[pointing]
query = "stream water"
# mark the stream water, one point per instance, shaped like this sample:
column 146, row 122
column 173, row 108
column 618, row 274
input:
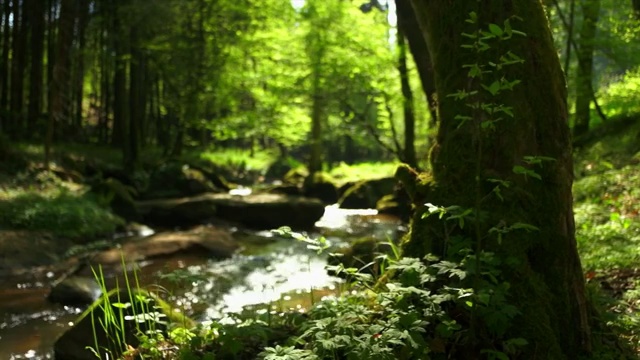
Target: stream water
column 269, row 272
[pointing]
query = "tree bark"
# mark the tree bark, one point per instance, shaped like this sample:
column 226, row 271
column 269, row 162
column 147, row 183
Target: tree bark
column 136, row 99
column 18, row 55
column 546, row 279
column 409, row 150
column 83, row 22
column 59, row 95
column 408, row 25
column 4, row 65
column 584, row 76
column 37, row 66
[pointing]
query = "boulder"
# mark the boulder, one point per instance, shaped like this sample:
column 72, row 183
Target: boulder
column 205, row 240
column 295, row 176
column 141, row 310
column 366, row 193
column 257, row 211
column 119, row 196
column 321, row 186
column 397, row 204
column 285, row 189
column 75, row 291
column 175, row 179
column 280, row 167
column 269, row 211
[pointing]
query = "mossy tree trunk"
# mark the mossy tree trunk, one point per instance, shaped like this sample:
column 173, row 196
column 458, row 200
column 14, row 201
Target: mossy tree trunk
column 546, row 279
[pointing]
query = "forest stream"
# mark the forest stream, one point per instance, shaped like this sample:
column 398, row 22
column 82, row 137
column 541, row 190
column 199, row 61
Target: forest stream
column 267, row 272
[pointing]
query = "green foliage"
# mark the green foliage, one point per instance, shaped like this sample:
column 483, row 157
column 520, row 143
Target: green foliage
column 366, row 170
column 619, row 98
column 606, row 218
column 64, row 214
column 240, row 160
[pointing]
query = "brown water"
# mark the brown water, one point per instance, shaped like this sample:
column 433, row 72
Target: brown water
column 279, row 272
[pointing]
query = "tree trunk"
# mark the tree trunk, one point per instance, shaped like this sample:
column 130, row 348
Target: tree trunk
column 136, row 104
column 409, row 150
column 120, row 90
column 51, row 48
column 4, row 66
column 317, row 118
column 408, row 25
column 59, row 94
column 545, row 276
column 83, row 21
column 37, row 66
column 18, row 55
column 590, row 12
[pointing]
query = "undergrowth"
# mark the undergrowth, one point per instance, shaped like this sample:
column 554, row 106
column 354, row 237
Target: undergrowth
column 62, row 213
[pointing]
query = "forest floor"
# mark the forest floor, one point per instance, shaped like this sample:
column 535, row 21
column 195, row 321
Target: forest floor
column 606, row 206
column 607, row 213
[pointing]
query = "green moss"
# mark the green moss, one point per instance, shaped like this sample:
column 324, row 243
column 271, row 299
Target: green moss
column 62, row 214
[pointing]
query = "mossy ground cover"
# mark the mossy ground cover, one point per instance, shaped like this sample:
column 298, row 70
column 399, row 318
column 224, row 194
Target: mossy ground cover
column 607, row 214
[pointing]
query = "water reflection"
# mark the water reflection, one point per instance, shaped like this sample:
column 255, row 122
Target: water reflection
column 281, row 273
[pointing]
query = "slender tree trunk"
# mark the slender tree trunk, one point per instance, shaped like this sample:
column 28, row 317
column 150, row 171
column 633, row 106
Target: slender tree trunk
column 317, row 118
column 584, row 77
column 4, row 66
column 37, row 66
column 59, row 95
column 635, row 4
column 120, row 90
column 83, row 21
column 135, row 98
column 105, row 74
column 409, row 150
column 544, row 272
column 16, row 100
column 572, row 17
column 408, row 25
column 52, row 31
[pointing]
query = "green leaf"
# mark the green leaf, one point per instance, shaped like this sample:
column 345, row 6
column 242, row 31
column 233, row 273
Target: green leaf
column 523, row 226
column 496, row 30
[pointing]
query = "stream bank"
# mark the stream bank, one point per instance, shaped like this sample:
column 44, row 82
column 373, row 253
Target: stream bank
column 268, row 270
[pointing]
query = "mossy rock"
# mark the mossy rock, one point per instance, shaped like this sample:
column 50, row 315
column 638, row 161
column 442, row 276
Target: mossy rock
column 286, row 190
column 75, row 291
column 296, row 176
column 366, row 193
column 362, row 254
column 77, row 343
column 280, row 167
column 120, row 197
column 176, row 179
column 321, row 186
column 395, row 204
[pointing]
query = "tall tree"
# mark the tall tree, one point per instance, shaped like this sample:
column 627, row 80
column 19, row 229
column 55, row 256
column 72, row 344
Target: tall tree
column 409, row 150
column 320, row 15
column 584, row 75
column 37, row 65
column 530, row 152
column 20, row 28
column 4, row 65
column 408, row 25
column 59, row 97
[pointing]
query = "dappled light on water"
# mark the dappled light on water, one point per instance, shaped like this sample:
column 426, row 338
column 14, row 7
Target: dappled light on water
column 334, row 217
column 270, row 274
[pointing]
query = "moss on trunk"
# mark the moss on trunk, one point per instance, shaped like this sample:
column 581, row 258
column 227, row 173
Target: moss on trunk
column 547, row 283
